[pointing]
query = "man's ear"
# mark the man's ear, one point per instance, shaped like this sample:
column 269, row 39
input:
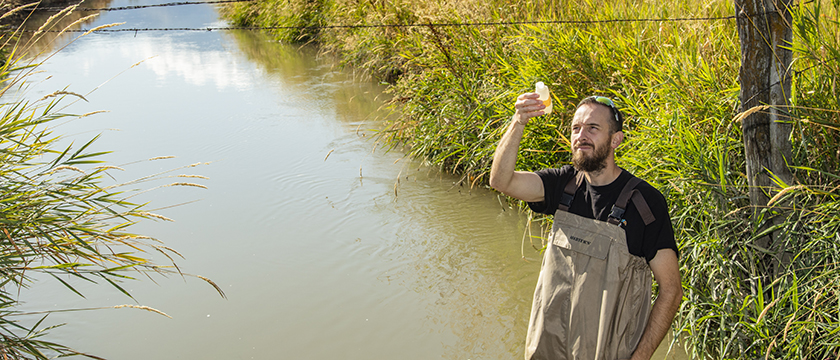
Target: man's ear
column 617, row 138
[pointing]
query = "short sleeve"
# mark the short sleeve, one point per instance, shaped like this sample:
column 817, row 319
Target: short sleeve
column 659, row 234
column 554, row 180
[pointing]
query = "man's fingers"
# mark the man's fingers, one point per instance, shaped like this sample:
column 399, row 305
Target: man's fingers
column 525, row 117
column 527, row 96
column 527, row 106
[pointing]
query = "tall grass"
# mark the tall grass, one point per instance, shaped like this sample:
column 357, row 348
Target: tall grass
column 455, row 87
column 59, row 215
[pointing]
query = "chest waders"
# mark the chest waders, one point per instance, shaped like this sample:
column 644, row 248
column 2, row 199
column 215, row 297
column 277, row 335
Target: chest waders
column 593, row 297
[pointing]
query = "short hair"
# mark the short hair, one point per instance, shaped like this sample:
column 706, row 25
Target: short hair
column 615, row 126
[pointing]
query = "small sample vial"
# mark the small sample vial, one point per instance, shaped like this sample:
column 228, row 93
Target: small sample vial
column 544, row 96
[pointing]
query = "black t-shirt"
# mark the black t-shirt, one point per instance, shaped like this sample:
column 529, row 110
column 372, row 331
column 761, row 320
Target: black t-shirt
column 595, row 202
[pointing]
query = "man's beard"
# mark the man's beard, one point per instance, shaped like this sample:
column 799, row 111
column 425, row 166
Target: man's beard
column 593, row 163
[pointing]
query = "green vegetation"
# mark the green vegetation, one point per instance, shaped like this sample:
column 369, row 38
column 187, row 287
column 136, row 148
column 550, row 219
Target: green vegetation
column 58, row 218
column 455, row 86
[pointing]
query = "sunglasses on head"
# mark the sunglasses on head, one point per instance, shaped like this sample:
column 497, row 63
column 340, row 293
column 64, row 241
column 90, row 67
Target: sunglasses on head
column 609, row 103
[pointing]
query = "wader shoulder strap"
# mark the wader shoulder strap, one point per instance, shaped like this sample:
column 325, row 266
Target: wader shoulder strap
column 569, row 192
column 617, row 212
column 628, row 192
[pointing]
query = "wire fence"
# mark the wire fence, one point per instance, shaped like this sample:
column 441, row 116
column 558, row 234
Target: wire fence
column 136, row 7
column 354, row 26
column 413, row 25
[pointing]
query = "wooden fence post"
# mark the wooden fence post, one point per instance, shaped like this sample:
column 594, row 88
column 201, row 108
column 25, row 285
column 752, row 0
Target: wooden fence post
column 764, row 28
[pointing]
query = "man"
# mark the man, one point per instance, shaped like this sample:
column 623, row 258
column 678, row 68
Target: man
column 611, row 230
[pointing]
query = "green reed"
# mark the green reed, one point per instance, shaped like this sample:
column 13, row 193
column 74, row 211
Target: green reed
column 677, row 82
column 60, row 214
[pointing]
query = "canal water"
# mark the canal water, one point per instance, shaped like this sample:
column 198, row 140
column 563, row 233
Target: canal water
column 326, row 245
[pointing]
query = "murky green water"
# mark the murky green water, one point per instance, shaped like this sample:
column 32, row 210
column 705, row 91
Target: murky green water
column 325, row 246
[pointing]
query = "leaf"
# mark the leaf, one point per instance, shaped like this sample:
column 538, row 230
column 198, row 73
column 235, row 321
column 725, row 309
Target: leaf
column 66, row 284
column 118, row 287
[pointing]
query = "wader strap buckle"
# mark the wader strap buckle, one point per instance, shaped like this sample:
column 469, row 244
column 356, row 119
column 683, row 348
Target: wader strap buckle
column 566, row 201
column 569, row 192
column 628, row 192
column 617, row 212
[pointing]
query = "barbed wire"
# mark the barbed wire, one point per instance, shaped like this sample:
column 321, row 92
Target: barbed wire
column 135, row 7
column 413, row 25
column 435, row 25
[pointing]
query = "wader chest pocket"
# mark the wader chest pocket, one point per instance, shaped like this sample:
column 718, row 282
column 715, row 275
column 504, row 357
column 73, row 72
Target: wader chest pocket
column 584, row 238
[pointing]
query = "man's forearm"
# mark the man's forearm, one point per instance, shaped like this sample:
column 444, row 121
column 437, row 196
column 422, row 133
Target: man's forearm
column 524, row 185
column 504, row 159
column 661, row 316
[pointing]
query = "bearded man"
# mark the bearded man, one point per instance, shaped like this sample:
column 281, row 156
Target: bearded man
column 611, row 230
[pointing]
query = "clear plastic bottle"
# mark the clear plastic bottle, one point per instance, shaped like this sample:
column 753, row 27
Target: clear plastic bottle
column 544, row 96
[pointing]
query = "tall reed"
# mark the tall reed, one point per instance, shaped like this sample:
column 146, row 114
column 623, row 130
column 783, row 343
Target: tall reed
column 59, row 216
column 677, row 81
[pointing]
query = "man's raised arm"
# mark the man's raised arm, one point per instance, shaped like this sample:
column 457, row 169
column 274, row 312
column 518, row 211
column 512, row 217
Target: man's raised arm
column 522, row 185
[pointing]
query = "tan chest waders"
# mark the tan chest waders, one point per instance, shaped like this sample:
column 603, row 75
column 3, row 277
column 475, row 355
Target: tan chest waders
column 593, row 297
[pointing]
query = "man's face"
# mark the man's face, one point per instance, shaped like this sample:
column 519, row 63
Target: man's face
column 591, row 137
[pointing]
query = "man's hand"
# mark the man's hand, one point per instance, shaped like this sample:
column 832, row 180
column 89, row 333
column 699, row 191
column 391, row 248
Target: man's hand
column 528, row 106
column 522, row 185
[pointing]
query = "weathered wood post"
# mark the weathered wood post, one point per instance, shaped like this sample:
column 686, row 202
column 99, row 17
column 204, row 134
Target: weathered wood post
column 764, row 27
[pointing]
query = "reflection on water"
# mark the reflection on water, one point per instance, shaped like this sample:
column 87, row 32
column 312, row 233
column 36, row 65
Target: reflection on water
column 51, row 39
column 326, row 246
column 316, row 79
column 454, row 248
column 171, row 59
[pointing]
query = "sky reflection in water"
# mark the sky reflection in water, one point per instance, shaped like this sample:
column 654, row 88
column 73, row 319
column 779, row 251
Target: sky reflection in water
column 318, row 256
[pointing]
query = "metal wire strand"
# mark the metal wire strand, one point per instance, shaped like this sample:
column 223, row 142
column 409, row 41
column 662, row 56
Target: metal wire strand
column 434, row 25
column 135, row 7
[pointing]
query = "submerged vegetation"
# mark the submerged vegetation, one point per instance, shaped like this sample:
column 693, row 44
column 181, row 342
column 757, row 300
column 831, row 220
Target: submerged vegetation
column 677, row 81
column 59, row 216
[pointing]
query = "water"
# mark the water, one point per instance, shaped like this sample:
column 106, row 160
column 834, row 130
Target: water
column 326, row 246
